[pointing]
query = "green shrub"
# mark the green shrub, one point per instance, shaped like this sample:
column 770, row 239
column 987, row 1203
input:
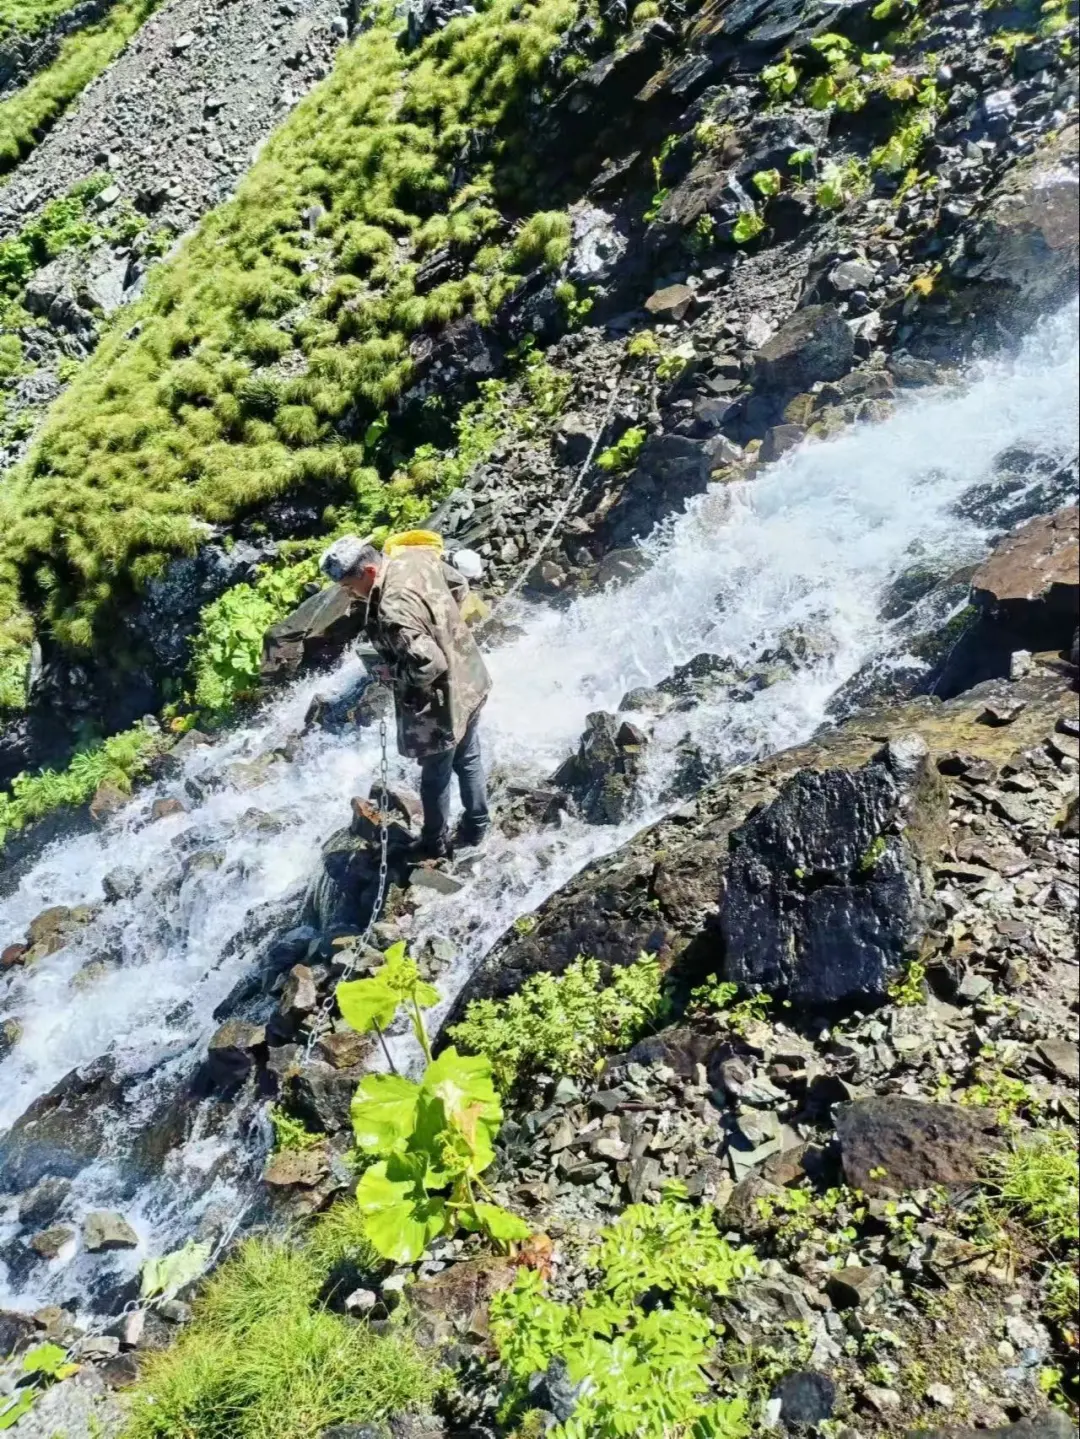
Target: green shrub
column 544, row 239
column 563, row 1025
column 28, row 17
column 119, row 760
column 262, row 1358
column 622, row 454
column 641, row 1371
column 227, row 649
column 1039, row 1181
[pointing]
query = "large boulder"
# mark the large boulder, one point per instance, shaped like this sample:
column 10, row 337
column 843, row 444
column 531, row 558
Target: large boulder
column 889, row 1143
column 813, row 344
column 1032, row 579
column 827, row 892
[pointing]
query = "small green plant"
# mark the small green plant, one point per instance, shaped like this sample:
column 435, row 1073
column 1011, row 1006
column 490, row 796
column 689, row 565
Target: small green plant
column 840, row 184
column 642, row 344
column 703, row 235
column 748, row 227
column 1038, row 1179
column 800, row 159
column 563, row 1025
column 716, row 996
column 576, row 307
column 781, row 79
column 543, row 239
column 673, row 362
column 622, row 454
column 431, row 1140
column 910, row 988
column 640, row 1372
column 119, row 760
column 290, row 1132
column 45, row 1364
column 263, row 1355
column 768, row 182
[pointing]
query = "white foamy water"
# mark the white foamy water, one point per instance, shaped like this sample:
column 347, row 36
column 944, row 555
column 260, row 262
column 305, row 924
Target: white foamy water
column 816, row 538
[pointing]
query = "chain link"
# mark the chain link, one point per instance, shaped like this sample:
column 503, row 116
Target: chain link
column 321, row 1019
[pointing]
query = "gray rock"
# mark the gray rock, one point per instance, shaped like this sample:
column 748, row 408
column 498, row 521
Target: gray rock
column 674, row 302
column 855, row 1285
column 49, row 1242
column 119, row 883
column 105, row 1229
column 41, row 1204
column 1061, row 1057
column 852, row 275
column 1051, row 1424
column 813, row 344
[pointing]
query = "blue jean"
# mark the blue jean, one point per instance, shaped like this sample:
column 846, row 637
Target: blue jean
column 436, row 772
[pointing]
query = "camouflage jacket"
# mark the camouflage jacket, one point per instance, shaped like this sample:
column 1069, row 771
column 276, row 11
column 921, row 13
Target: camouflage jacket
column 414, row 622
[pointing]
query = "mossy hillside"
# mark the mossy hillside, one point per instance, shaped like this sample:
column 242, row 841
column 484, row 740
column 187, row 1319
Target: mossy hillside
column 29, row 17
column 30, row 112
column 289, row 313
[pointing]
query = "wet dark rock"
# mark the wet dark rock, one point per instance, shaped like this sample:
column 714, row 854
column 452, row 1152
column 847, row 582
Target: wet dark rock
column 814, row 344
column 805, row 1397
column 670, row 470
column 574, row 439
column 63, row 1130
column 232, row 1051
column 603, row 774
column 16, row 1331
column 889, row 1143
column 120, row 883
column 164, row 808
column 826, row 894
column 320, row 1094
column 40, row 1205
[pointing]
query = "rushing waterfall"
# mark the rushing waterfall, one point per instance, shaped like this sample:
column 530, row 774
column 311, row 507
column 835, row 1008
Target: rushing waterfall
column 817, row 537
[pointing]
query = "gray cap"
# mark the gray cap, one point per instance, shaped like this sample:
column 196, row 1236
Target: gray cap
column 346, row 556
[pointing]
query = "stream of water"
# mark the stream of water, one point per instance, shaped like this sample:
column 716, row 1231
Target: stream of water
column 815, row 538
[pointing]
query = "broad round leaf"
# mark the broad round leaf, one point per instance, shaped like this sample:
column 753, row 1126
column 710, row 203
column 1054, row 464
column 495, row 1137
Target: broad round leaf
column 365, row 1003
column 383, row 1112
column 400, row 1218
column 500, row 1224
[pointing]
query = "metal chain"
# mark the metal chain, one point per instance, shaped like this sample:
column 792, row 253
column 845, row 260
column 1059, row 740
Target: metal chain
column 561, row 513
column 321, row 1018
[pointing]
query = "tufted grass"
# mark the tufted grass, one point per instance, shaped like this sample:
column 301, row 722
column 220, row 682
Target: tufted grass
column 284, row 321
column 263, row 1358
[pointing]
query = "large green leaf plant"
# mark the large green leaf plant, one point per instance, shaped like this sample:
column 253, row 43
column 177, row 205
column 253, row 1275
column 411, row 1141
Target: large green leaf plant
column 430, row 1140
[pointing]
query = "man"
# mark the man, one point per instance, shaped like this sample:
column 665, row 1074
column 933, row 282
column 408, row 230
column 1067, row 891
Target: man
column 439, row 679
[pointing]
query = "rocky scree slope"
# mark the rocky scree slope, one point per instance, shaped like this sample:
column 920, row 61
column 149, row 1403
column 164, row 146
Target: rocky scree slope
column 906, row 218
